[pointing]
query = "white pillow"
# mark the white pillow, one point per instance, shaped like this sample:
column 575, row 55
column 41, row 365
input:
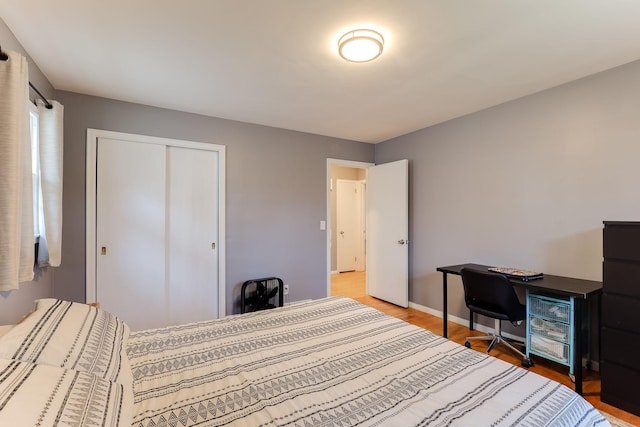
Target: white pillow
column 72, row 336
column 42, row 395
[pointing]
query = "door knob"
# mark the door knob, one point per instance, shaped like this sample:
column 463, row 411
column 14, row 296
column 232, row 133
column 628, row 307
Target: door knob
column 402, row 242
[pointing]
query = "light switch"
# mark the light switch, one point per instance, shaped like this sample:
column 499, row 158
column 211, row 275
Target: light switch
column 323, row 225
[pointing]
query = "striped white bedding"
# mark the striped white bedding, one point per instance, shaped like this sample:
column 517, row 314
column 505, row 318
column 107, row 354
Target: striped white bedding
column 65, row 365
column 334, row 362
column 34, row 395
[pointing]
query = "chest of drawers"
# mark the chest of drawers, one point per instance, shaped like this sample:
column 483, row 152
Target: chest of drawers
column 620, row 319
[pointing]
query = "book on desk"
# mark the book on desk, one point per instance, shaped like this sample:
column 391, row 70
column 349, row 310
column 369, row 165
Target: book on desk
column 517, row 273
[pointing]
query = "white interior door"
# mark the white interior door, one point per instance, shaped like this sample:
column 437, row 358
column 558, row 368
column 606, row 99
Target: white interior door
column 130, row 231
column 347, row 236
column 192, row 243
column 388, row 232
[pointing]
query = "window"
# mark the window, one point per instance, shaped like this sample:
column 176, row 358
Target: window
column 35, row 170
column 45, row 136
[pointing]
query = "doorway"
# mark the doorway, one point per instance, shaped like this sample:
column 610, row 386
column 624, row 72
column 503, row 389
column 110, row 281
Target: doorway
column 387, row 224
column 345, row 176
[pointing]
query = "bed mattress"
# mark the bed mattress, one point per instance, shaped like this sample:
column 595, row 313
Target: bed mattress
column 334, row 362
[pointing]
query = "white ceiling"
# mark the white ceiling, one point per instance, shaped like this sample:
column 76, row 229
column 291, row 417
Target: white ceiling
column 274, row 62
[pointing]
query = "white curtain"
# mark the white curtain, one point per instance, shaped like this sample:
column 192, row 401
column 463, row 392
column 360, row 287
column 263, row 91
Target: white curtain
column 16, row 201
column 50, row 146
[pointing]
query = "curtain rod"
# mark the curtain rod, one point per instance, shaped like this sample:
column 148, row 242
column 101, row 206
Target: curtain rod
column 5, row 57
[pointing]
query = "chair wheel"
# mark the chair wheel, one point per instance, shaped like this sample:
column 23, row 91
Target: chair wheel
column 467, row 344
column 527, row 363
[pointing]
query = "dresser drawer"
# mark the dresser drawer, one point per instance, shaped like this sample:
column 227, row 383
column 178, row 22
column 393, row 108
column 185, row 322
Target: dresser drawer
column 621, row 242
column 621, row 278
column 621, row 312
column 619, row 385
column 619, row 347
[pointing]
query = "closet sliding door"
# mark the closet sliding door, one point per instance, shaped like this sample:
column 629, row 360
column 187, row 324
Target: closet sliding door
column 192, row 226
column 154, row 236
column 130, row 232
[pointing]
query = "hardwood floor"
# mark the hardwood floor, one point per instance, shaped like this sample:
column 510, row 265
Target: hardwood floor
column 353, row 285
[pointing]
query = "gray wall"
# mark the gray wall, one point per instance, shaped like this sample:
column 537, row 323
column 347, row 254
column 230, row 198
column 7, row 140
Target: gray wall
column 14, row 304
column 275, row 184
column 525, row 184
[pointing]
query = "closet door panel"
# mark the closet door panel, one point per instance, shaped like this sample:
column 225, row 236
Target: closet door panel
column 192, row 234
column 130, row 231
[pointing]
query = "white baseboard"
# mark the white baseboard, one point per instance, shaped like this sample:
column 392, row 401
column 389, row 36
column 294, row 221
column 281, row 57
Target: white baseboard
column 463, row 322
column 297, row 302
column 595, row 366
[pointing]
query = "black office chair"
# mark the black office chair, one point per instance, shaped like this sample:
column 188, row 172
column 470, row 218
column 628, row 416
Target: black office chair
column 492, row 295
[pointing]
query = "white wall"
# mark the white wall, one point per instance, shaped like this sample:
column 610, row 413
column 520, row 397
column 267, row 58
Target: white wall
column 525, row 184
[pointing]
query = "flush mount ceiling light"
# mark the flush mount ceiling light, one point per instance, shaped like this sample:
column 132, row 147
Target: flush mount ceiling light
column 360, row 45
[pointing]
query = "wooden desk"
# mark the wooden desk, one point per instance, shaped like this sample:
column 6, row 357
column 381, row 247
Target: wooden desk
column 578, row 289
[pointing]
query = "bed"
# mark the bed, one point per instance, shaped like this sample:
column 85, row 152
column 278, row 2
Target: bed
column 328, row 362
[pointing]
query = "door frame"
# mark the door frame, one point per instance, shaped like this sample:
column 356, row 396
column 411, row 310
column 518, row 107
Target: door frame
column 330, row 163
column 90, row 203
column 361, row 264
